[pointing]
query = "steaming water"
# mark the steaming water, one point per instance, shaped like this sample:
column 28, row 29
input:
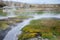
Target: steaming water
column 12, row 34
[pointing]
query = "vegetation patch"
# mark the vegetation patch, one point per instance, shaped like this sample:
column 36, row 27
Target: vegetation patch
column 24, row 17
column 3, row 25
column 2, row 13
column 55, row 12
column 29, row 13
column 46, row 28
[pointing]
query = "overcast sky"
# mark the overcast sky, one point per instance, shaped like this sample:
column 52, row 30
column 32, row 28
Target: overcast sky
column 38, row 1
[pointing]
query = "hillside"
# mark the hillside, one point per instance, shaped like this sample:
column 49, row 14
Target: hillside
column 51, row 7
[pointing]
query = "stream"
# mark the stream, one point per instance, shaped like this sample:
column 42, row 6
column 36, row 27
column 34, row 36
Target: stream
column 12, row 34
